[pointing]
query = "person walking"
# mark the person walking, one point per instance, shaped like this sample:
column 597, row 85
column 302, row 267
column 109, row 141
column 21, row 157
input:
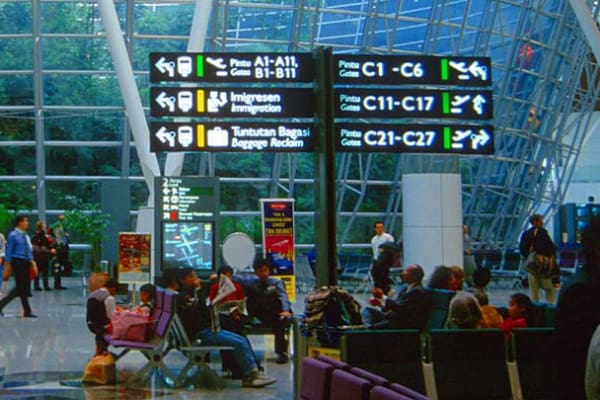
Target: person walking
column 42, row 252
column 19, row 261
column 536, row 239
column 61, row 238
column 379, row 238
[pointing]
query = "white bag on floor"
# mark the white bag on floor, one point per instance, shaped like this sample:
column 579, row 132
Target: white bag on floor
column 4, row 289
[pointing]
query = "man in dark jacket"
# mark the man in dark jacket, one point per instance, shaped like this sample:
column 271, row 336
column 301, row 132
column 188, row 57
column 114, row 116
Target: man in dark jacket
column 268, row 302
column 196, row 320
column 410, row 310
column 578, row 315
column 537, row 239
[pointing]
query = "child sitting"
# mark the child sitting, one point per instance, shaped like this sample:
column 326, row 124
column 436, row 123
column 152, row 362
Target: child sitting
column 147, row 292
column 519, row 311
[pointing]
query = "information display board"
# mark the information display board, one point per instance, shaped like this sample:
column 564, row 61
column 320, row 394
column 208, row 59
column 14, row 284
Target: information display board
column 242, row 137
column 382, row 138
column 134, row 257
column 186, row 212
column 412, row 70
column 231, row 102
column 407, row 103
column 188, row 244
column 231, row 67
column 184, row 199
column 279, row 240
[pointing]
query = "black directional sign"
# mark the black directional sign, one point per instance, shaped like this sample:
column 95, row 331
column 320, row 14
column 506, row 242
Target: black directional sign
column 231, row 67
column 417, row 70
column 231, row 102
column 234, row 137
column 388, row 138
column 392, row 103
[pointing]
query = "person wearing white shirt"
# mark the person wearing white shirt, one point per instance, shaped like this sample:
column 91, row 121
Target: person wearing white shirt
column 380, row 238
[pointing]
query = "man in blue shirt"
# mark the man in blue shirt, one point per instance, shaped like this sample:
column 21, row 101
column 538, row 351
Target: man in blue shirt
column 269, row 303
column 19, row 259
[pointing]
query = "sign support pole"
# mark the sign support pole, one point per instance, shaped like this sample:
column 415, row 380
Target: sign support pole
column 325, row 185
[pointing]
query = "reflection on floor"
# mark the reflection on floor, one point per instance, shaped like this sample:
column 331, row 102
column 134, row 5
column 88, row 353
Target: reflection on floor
column 44, row 357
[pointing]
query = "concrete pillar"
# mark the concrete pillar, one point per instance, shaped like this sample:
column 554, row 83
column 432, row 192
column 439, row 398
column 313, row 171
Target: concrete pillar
column 432, row 220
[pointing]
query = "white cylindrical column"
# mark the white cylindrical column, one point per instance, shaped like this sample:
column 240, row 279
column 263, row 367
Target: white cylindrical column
column 432, row 220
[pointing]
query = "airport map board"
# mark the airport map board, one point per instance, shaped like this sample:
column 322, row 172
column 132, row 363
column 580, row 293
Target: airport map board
column 186, row 215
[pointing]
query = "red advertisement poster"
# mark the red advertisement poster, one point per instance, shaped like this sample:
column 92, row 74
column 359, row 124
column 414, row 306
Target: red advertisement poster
column 278, row 240
column 134, row 257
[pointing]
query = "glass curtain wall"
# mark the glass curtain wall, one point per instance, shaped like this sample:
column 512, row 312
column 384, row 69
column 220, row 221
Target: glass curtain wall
column 63, row 129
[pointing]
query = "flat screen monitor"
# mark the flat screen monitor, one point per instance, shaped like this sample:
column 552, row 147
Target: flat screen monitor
column 188, row 245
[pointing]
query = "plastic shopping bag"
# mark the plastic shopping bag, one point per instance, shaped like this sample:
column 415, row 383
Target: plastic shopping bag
column 4, row 289
column 100, row 370
column 131, row 325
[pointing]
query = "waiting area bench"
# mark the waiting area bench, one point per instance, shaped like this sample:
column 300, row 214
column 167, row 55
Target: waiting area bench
column 457, row 364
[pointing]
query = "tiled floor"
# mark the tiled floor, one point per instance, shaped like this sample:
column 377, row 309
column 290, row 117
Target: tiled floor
column 40, row 354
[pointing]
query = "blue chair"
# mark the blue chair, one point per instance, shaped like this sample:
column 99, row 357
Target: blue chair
column 470, row 364
column 534, row 350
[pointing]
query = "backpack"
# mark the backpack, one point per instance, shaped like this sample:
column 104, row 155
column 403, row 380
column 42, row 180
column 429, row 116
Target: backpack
column 328, row 308
column 96, row 314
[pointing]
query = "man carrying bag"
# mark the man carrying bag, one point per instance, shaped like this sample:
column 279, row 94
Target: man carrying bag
column 19, row 261
column 540, row 259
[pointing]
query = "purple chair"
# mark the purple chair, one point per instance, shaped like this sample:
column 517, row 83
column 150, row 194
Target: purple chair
column 371, row 377
column 336, row 363
column 347, row 386
column 382, row 393
column 154, row 349
column 408, row 392
column 316, row 379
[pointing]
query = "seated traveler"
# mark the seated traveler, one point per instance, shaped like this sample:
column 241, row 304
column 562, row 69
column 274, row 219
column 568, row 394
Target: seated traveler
column 147, row 293
column 464, row 312
column 443, row 278
column 519, row 312
column 196, row 320
column 268, row 302
column 410, row 310
column 490, row 316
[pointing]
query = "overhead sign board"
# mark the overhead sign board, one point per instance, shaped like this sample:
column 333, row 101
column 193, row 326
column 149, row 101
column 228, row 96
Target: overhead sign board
column 417, row 70
column 231, row 67
column 231, row 102
column 232, row 137
column 394, row 138
column 405, row 103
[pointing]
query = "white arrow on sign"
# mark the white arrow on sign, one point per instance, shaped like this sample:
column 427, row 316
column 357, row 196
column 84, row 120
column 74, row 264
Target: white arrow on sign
column 478, row 71
column 165, row 101
column 478, row 103
column 163, row 66
column 479, row 140
column 164, row 135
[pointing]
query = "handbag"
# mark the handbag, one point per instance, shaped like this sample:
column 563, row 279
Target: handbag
column 539, row 265
column 100, row 370
column 33, row 271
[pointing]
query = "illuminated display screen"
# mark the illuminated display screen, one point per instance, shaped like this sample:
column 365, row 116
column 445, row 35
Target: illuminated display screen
column 389, row 138
column 398, row 70
column 231, row 102
column 245, row 137
column 228, row 67
column 188, row 244
column 405, row 103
